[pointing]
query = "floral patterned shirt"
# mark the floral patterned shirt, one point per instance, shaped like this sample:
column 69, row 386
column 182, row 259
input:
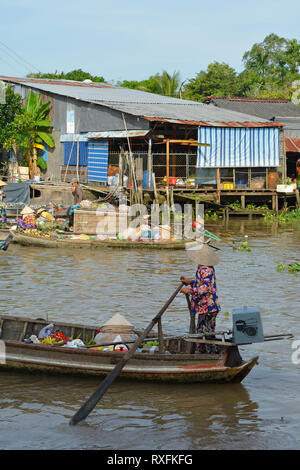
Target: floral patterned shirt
column 204, row 291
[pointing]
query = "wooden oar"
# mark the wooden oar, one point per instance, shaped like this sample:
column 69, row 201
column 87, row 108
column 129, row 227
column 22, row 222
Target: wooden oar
column 85, row 410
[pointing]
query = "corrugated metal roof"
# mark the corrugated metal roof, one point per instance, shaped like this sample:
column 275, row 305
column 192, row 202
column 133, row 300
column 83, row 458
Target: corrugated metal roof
column 266, row 109
column 143, row 104
column 116, row 134
column 184, row 112
column 292, row 145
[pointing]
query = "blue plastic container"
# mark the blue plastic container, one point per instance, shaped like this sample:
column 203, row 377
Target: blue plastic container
column 145, row 180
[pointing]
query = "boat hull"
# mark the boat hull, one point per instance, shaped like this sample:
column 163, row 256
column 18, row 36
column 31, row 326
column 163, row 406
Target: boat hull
column 176, row 366
column 40, row 242
column 74, row 361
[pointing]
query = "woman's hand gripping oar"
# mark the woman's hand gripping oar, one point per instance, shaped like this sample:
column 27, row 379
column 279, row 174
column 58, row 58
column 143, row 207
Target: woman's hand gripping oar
column 85, row 410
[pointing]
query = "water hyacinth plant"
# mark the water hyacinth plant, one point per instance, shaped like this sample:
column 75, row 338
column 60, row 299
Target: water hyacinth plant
column 291, row 268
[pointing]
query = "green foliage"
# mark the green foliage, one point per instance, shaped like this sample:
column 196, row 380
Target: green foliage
column 211, row 215
column 284, row 217
column 274, row 64
column 77, row 75
column 244, row 246
column 161, row 84
column 218, row 80
column 291, row 268
column 41, row 163
column 270, row 68
column 9, row 136
column 33, row 123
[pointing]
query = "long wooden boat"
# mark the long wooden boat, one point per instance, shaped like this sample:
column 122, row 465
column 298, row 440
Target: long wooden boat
column 67, row 241
column 4, row 232
column 174, row 365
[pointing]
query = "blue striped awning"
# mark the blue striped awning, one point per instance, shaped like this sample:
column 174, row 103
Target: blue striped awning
column 233, row 147
column 98, row 160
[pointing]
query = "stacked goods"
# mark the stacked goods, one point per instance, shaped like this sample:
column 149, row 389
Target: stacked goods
column 117, row 329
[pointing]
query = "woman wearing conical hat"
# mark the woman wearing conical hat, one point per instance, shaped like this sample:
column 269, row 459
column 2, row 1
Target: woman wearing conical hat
column 28, row 220
column 203, row 290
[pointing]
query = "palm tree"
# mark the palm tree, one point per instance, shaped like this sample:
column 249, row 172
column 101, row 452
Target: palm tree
column 168, row 85
column 34, row 126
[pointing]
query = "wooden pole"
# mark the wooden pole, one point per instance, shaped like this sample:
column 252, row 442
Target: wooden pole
column 160, row 335
column 168, row 161
column 154, row 187
column 77, row 163
column 149, row 164
column 218, row 185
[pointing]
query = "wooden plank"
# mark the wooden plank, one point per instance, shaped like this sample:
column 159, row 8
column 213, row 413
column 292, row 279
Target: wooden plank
column 210, row 341
column 160, row 337
column 23, row 332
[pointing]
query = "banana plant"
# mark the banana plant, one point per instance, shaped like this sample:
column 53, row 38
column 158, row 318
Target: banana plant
column 34, row 126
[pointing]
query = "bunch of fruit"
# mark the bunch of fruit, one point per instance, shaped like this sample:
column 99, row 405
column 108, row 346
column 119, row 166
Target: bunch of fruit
column 37, row 233
column 48, row 340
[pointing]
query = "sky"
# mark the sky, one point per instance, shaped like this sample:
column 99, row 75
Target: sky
column 131, row 40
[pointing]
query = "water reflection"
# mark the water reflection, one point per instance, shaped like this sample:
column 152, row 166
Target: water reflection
column 180, row 417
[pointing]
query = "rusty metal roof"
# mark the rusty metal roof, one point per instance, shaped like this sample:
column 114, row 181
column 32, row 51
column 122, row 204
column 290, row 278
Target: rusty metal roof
column 292, row 145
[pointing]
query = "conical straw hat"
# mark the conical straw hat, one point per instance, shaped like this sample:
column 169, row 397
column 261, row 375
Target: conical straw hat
column 201, row 254
column 2, row 183
column 118, row 320
column 27, row 210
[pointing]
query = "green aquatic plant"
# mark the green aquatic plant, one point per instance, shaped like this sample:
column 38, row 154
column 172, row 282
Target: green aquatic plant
column 244, row 246
column 291, row 268
column 283, row 217
column 210, row 214
column 253, row 207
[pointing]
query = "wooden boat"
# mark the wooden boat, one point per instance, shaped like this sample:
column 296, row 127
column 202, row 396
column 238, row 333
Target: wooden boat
column 4, row 232
column 176, row 365
column 67, row 241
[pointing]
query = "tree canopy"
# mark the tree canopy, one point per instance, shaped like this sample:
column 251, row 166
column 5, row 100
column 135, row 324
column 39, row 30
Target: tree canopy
column 77, row 75
column 269, row 69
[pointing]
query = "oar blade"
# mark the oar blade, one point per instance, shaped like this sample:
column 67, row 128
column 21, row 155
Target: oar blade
column 86, row 409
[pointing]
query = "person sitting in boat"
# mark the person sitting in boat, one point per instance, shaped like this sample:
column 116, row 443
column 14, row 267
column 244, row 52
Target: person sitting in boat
column 44, row 216
column 3, row 218
column 78, row 195
column 203, row 290
column 28, row 220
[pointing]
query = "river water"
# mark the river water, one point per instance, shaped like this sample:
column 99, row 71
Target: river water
column 263, row 412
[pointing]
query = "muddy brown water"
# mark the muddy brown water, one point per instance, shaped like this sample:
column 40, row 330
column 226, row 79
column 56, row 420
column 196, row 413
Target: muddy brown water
column 263, row 412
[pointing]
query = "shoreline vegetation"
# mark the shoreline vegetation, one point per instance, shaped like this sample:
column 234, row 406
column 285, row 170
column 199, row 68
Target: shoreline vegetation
column 285, row 216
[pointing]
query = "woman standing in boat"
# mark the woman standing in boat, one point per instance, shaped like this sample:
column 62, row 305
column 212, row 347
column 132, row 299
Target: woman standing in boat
column 2, row 208
column 203, row 290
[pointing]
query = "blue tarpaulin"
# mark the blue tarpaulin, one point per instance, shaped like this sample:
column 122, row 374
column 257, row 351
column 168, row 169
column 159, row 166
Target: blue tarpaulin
column 17, row 192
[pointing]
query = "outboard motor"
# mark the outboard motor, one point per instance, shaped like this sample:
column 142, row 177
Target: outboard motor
column 247, row 325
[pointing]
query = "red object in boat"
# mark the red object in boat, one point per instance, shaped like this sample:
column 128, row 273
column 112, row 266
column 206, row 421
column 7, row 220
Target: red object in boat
column 173, row 181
